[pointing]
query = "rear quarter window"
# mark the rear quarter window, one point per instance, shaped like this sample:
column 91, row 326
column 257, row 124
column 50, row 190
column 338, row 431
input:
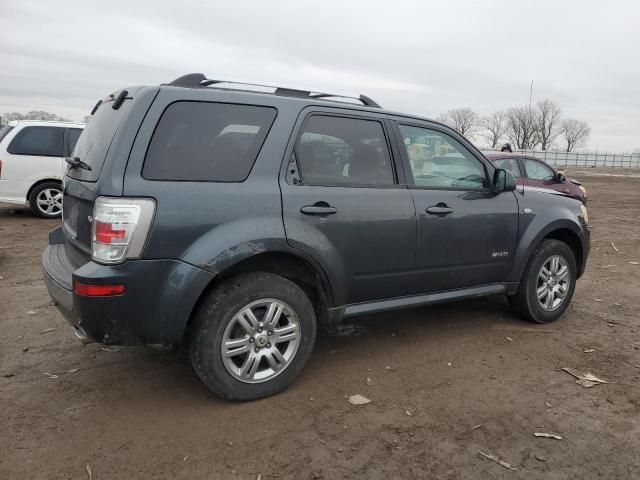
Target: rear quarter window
column 211, row 142
column 4, row 131
column 38, row 141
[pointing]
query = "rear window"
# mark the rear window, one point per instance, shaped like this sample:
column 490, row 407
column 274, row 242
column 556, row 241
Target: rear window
column 94, row 141
column 212, row 142
column 4, row 131
column 40, row 141
column 74, row 134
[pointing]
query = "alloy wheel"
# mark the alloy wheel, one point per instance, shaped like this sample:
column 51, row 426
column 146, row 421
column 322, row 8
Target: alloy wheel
column 553, row 283
column 49, row 201
column 260, row 341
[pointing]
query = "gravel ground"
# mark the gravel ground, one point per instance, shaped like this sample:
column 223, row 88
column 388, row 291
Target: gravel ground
column 446, row 383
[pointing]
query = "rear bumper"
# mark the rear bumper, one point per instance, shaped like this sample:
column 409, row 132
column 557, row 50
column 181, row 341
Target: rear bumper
column 154, row 309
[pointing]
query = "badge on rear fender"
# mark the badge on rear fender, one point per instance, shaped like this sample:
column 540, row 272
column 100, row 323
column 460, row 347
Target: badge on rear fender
column 500, row 254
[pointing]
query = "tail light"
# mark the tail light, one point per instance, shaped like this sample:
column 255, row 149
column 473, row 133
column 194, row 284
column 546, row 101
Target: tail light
column 120, row 228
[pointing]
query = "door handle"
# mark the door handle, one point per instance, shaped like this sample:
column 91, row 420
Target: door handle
column 440, row 209
column 320, row 208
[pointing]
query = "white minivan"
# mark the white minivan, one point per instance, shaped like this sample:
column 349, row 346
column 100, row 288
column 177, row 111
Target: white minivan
column 32, row 164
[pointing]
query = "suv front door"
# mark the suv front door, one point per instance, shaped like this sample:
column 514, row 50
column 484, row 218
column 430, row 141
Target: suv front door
column 466, row 232
column 346, row 205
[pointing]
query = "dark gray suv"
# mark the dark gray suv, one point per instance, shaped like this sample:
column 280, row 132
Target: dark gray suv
column 240, row 220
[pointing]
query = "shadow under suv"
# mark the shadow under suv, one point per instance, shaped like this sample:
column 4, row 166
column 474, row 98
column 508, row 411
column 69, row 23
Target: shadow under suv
column 240, row 220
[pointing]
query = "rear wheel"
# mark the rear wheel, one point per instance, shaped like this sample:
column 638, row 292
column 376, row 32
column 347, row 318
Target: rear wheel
column 547, row 284
column 45, row 200
column 252, row 336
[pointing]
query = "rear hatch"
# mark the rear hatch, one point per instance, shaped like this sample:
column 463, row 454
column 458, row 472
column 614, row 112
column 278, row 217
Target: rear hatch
column 96, row 147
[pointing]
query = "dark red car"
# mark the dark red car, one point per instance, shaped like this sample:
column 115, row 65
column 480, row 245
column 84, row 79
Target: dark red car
column 533, row 172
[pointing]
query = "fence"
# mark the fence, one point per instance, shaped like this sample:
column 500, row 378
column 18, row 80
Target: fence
column 588, row 159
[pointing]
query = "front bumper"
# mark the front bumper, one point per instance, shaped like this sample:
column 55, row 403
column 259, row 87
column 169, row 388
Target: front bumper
column 586, row 249
column 154, row 309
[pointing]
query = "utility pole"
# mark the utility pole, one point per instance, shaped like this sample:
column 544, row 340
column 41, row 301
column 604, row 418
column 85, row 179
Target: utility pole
column 530, row 95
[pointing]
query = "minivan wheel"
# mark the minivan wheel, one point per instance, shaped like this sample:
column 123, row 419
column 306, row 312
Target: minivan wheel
column 45, row 200
column 547, row 284
column 252, row 335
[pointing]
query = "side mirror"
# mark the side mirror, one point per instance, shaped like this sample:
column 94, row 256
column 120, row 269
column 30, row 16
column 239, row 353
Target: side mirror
column 560, row 178
column 503, row 181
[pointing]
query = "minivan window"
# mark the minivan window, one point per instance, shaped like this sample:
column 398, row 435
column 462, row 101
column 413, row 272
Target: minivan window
column 74, row 134
column 343, row 151
column 211, row 142
column 94, row 143
column 4, row 131
column 40, row 141
column 437, row 160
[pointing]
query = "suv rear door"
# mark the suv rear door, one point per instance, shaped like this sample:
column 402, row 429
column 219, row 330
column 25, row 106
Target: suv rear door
column 466, row 232
column 104, row 145
column 346, row 204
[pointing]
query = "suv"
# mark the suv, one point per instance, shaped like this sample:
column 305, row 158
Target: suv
column 241, row 220
column 32, row 163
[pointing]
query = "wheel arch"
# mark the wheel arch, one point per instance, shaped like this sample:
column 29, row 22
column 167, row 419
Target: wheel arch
column 572, row 239
column 40, row 182
column 302, row 271
column 565, row 231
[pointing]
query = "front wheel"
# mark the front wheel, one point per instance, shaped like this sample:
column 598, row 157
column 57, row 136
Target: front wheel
column 45, row 200
column 547, row 284
column 252, row 336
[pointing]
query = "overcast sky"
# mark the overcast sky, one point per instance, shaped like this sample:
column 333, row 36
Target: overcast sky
column 414, row 56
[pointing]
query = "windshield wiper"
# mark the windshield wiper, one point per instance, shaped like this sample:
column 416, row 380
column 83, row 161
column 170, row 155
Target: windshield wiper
column 76, row 162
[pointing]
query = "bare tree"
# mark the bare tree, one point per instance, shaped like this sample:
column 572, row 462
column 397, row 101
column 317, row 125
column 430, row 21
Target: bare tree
column 494, row 127
column 521, row 128
column 32, row 115
column 547, row 118
column 574, row 133
column 464, row 120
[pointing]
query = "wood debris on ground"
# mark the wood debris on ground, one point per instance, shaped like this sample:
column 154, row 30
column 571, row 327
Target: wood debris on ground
column 498, row 461
column 547, row 435
column 586, row 380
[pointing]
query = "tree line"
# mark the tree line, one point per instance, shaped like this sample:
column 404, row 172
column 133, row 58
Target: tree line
column 527, row 128
column 32, row 115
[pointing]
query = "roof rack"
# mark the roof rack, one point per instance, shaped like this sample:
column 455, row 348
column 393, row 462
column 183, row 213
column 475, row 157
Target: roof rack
column 194, row 80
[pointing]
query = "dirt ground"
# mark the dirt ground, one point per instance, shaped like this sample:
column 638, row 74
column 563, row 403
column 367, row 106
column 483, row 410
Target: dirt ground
column 446, row 383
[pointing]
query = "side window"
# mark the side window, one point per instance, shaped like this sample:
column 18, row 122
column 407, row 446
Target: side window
column 343, row 151
column 40, row 141
column 214, row 142
column 510, row 165
column 439, row 161
column 538, row 171
column 4, row 131
column 74, row 134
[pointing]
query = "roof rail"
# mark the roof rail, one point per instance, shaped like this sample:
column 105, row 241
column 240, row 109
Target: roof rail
column 194, row 80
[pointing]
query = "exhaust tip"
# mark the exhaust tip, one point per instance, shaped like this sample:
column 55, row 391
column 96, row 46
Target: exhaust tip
column 82, row 336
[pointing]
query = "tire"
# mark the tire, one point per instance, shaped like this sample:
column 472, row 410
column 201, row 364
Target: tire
column 552, row 305
column 219, row 319
column 45, row 200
